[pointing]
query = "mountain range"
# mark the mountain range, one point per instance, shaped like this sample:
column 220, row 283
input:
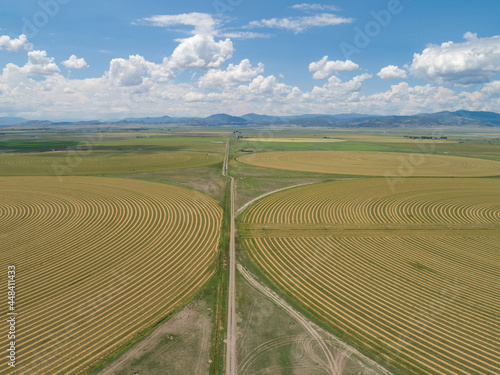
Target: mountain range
column 457, row 118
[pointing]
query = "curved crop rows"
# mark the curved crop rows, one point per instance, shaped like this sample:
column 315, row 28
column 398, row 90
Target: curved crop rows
column 411, row 277
column 370, row 163
column 98, row 262
column 69, row 163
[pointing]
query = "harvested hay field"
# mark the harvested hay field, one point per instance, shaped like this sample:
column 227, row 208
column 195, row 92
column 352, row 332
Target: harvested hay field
column 293, row 140
column 98, row 262
column 67, row 163
column 371, row 163
column 411, row 278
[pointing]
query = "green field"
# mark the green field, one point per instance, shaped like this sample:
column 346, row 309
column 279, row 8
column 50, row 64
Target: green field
column 67, row 163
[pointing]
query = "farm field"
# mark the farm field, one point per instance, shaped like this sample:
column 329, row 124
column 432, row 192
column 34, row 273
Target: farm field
column 99, row 262
column 293, row 140
column 370, row 163
column 60, row 163
column 348, row 137
column 410, row 277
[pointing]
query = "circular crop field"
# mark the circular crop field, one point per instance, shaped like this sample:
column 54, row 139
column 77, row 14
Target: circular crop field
column 67, row 163
column 370, row 163
column 411, row 276
column 98, row 262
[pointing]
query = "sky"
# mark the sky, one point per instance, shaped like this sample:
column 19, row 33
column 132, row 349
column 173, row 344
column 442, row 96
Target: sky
column 115, row 59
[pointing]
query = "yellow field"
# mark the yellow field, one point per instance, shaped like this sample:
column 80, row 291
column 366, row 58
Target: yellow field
column 411, row 278
column 368, row 163
column 98, row 261
column 294, row 140
column 393, row 139
column 101, row 162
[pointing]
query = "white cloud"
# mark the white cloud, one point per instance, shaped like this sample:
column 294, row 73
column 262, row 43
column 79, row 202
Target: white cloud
column 14, row 44
column 334, row 88
column 492, row 89
column 39, row 64
column 242, row 34
column 313, row 7
column 324, row 68
column 216, row 79
column 474, row 61
column 132, row 71
column 75, row 63
column 301, row 24
column 201, row 52
column 129, row 72
column 392, row 72
column 203, row 23
column 405, row 99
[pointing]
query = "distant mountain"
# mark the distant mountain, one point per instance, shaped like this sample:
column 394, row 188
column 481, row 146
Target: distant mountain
column 224, row 119
column 149, row 120
column 458, row 118
column 490, row 117
column 255, row 118
column 11, row 120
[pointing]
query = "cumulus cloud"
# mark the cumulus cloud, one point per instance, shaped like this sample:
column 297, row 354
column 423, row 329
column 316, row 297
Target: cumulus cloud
column 406, row 99
column 301, row 24
column 392, row 72
column 473, row 61
column 14, row 44
column 132, row 71
column 75, row 63
column 313, row 7
column 335, row 88
column 201, row 52
column 492, row 89
column 203, row 23
column 216, row 79
column 324, row 68
column 40, row 65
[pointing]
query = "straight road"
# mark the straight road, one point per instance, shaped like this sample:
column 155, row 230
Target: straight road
column 231, row 307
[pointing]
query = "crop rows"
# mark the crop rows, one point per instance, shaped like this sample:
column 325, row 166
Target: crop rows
column 418, row 304
column 369, row 163
column 99, row 261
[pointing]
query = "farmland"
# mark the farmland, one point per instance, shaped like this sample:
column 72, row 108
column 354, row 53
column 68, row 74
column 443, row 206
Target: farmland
column 100, row 261
column 101, row 162
column 294, row 140
column 409, row 277
column 367, row 163
column 404, row 270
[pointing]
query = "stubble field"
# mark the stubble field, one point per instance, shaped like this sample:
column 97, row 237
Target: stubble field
column 100, row 261
column 410, row 277
column 372, row 163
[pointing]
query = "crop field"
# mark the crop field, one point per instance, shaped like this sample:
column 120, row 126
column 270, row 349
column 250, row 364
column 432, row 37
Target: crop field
column 349, row 137
column 293, row 140
column 99, row 262
column 93, row 162
column 368, row 163
column 410, row 277
column 393, row 139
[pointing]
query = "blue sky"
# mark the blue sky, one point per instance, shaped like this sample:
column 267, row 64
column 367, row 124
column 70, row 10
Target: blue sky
column 73, row 59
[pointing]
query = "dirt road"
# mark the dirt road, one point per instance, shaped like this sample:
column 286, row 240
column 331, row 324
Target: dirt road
column 231, row 308
column 335, row 365
column 265, row 195
column 231, row 367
